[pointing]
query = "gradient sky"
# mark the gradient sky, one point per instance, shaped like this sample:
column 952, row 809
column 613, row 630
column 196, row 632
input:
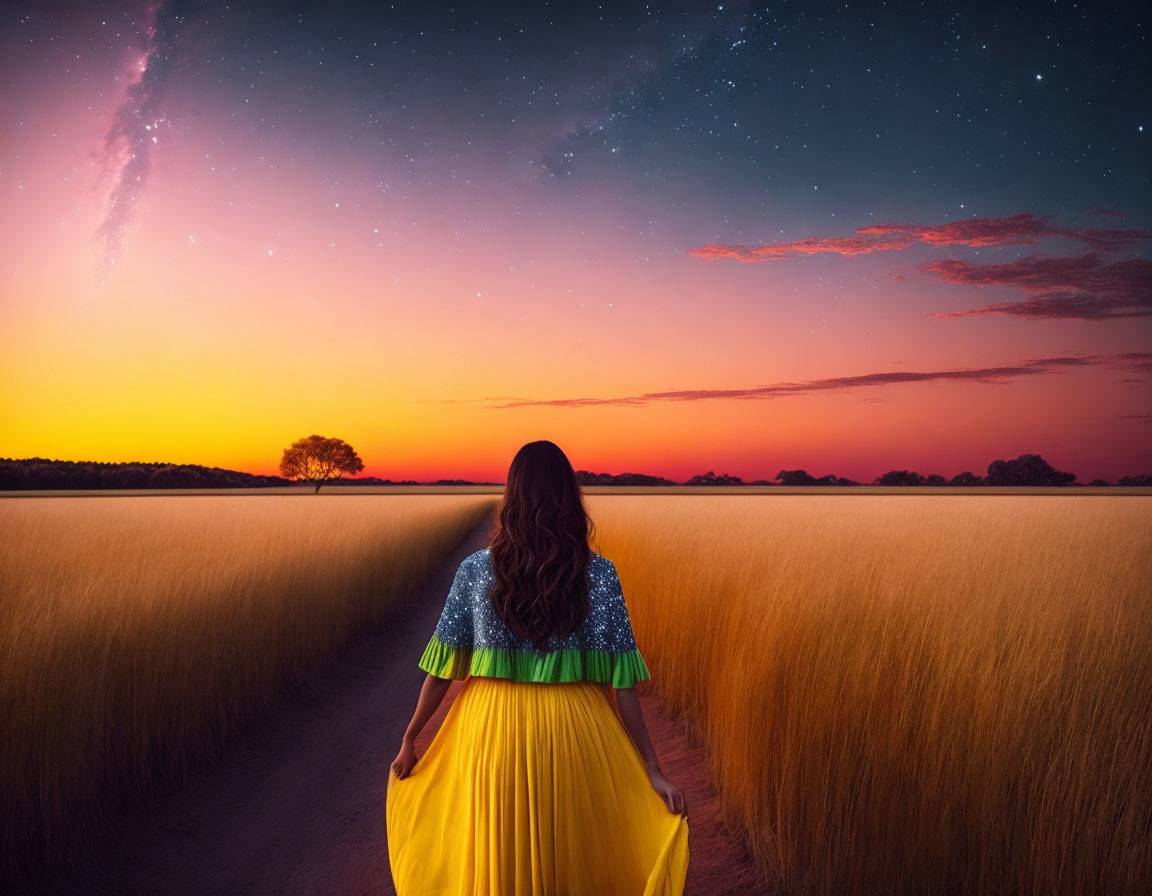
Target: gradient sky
column 669, row 237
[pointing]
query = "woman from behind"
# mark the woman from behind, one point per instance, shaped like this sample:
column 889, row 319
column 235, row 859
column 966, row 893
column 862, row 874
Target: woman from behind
column 533, row 785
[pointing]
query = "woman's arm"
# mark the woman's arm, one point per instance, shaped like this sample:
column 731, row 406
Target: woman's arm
column 431, row 693
column 633, row 717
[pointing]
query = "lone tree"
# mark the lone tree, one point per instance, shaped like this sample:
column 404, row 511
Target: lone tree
column 319, row 460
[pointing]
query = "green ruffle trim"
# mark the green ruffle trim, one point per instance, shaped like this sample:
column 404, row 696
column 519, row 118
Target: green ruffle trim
column 620, row 670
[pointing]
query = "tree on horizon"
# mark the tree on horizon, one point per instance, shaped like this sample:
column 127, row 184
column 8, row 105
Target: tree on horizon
column 1027, row 469
column 319, row 460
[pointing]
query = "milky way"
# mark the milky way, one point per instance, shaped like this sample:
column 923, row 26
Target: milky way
column 139, row 123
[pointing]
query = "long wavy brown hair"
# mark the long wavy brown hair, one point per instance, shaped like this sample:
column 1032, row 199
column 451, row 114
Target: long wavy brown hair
column 540, row 551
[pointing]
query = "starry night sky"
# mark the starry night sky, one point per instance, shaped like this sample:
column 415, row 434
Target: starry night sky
column 742, row 237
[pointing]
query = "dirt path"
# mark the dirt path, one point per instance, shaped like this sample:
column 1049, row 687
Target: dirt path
column 297, row 805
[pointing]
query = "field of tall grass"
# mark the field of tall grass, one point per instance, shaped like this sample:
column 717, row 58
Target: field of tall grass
column 908, row 694
column 137, row 633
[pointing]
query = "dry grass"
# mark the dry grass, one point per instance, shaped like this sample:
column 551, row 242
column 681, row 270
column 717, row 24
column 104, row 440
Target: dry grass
column 136, row 633
column 920, row 694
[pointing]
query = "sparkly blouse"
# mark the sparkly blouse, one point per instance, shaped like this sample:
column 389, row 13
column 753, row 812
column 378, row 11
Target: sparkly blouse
column 471, row 638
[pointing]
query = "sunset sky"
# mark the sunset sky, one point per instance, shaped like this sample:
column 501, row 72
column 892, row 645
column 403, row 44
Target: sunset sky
column 671, row 238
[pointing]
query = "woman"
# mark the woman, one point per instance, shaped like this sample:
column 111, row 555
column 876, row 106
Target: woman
column 532, row 786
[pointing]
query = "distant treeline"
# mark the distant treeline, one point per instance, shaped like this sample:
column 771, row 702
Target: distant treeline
column 1027, row 469
column 37, row 473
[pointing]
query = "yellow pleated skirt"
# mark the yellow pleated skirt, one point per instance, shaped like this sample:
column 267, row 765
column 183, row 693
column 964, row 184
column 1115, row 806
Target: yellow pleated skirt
column 532, row 789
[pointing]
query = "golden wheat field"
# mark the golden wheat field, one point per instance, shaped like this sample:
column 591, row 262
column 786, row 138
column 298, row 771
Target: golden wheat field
column 909, row 694
column 897, row 693
column 137, row 633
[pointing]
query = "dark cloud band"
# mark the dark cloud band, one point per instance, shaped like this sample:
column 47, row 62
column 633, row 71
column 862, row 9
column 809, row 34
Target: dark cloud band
column 1135, row 361
column 1080, row 287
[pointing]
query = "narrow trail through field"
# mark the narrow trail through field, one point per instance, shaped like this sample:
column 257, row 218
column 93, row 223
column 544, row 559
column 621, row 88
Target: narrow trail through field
column 297, row 806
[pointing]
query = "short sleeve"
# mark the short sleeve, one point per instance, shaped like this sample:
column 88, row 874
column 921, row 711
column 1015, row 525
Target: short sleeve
column 628, row 666
column 449, row 650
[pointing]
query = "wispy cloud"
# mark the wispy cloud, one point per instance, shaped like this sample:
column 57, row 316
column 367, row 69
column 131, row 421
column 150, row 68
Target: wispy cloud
column 1080, row 287
column 1000, row 375
column 841, row 245
column 1106, row 212
column 1015, row 230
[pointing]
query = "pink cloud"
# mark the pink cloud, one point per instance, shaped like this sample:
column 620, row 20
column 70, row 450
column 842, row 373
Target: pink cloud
column 845, row 245
column 1079, row 287
column 1017, row 229
column 1020, row 229
column 990, row 375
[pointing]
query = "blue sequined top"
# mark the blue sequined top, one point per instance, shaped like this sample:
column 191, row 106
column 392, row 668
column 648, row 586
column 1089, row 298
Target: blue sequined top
column 470, row 638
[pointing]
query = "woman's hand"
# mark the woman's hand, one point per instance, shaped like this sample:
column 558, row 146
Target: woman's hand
column 405, row 759
column 669, row 792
